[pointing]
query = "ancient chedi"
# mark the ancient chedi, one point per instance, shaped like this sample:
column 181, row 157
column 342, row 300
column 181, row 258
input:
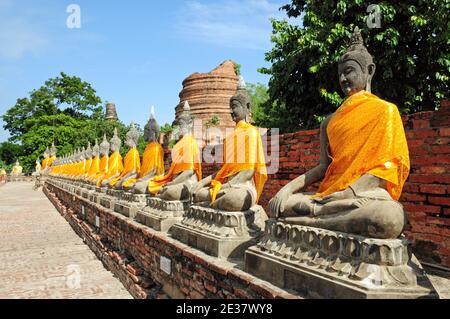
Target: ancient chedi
column 111, row 112
column 209, row 95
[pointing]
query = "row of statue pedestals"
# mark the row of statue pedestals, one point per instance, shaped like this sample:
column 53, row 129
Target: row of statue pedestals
column 313, row 262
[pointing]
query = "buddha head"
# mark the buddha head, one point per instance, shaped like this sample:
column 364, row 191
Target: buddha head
column 104, row 146
column 115, row 141
column 185, row 122
column 132, row 136
column 53, row 150
column 151, row 129
column 356, row 67
column 88, row 151
column 96, row 149
column 46, row 153
column 240, row 103
column 81, row 154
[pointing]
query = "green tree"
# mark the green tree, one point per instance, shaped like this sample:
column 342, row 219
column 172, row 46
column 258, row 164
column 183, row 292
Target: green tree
column 9, row 153
column 411, row 51
column 65, row 110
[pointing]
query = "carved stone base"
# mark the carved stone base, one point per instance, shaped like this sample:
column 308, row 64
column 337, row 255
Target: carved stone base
column 219, row 233
column 130, row 204
column 160, row 214
column 319, row 263
column 99, row 193
column 110, row 199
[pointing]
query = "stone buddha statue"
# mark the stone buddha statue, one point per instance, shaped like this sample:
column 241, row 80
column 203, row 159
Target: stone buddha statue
column 185, row 170
column 364, row 161
column 52, row 155
column 17, row 169
column 239, row 183
column 88, row 161
column 152, row 160
column 115, row 162
column 46, row 159
column 37, row 167
column 132, row 161
column 94, row 168
column 103, row 166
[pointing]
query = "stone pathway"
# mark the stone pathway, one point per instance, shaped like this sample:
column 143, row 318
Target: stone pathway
column 40, row 254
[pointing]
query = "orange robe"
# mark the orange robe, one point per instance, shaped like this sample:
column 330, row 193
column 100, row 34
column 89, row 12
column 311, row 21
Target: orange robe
column 132, row 163
column 115, row 166
column 44, row 163
column 103, row 168
column 243, row 150
column 94, row 167
column 185, row 156
column 153, row 159
column 51, row 160
column 366, row 136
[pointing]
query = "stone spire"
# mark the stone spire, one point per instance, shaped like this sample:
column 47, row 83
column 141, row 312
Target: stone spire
column 111, row 113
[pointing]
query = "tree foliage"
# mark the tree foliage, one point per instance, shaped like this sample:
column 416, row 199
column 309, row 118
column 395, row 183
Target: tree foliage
column 411, row 51
column 66, row 111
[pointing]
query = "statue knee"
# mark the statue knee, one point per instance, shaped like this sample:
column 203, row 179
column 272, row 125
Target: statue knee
column 383, row 219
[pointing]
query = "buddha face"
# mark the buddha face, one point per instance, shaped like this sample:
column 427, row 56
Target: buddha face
column 353, row 78
column 238, row 111
column 183, row 128
column 149, row 134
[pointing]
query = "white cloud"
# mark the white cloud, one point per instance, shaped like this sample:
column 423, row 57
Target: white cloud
column 231, row 23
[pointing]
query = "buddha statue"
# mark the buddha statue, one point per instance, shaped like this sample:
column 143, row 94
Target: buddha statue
column 81, row 163
column 103, row 168
column 115, row 162
column 364, row 161
column 185, row 170
column 17, row 169
column 2, row 172
column 94, row 167
column 46, row 159
column 52, row 155
column 37, row 168
column 239, row 183
column 88, row 162
column 152, row 160
column 132, row 161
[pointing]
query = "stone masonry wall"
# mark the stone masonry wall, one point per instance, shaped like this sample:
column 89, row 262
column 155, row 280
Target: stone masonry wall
column 426, row 195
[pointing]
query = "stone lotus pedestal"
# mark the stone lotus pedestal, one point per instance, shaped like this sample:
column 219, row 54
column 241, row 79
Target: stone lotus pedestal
column 219, row 233
column 319, row 263
column 87, row 190
column 160, row 214
column 130, row 204
column 111, row 197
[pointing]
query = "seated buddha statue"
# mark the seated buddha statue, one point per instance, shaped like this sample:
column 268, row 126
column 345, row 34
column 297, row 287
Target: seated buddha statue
column 103, row 166
column 132, row 161
column 81, row 164
column 152, row 160
column 94, row 166
column 52, row 155
column 237, row 186
column 17, row 169
column 364, row 161
column 115, row 162
column 185, row 170
column 87, row 161
column 44, row 165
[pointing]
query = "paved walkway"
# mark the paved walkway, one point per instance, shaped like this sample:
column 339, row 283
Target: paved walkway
column 40, row 254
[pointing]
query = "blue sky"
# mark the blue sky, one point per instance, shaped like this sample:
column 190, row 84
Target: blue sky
column 134, row 53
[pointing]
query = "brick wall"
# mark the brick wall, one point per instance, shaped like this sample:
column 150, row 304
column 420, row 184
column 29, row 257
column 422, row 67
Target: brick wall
column 132, row 252
column 426, row 192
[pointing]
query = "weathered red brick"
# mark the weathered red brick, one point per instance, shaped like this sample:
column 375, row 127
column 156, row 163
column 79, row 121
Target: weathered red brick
column 434, row 188
column 439, row 200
